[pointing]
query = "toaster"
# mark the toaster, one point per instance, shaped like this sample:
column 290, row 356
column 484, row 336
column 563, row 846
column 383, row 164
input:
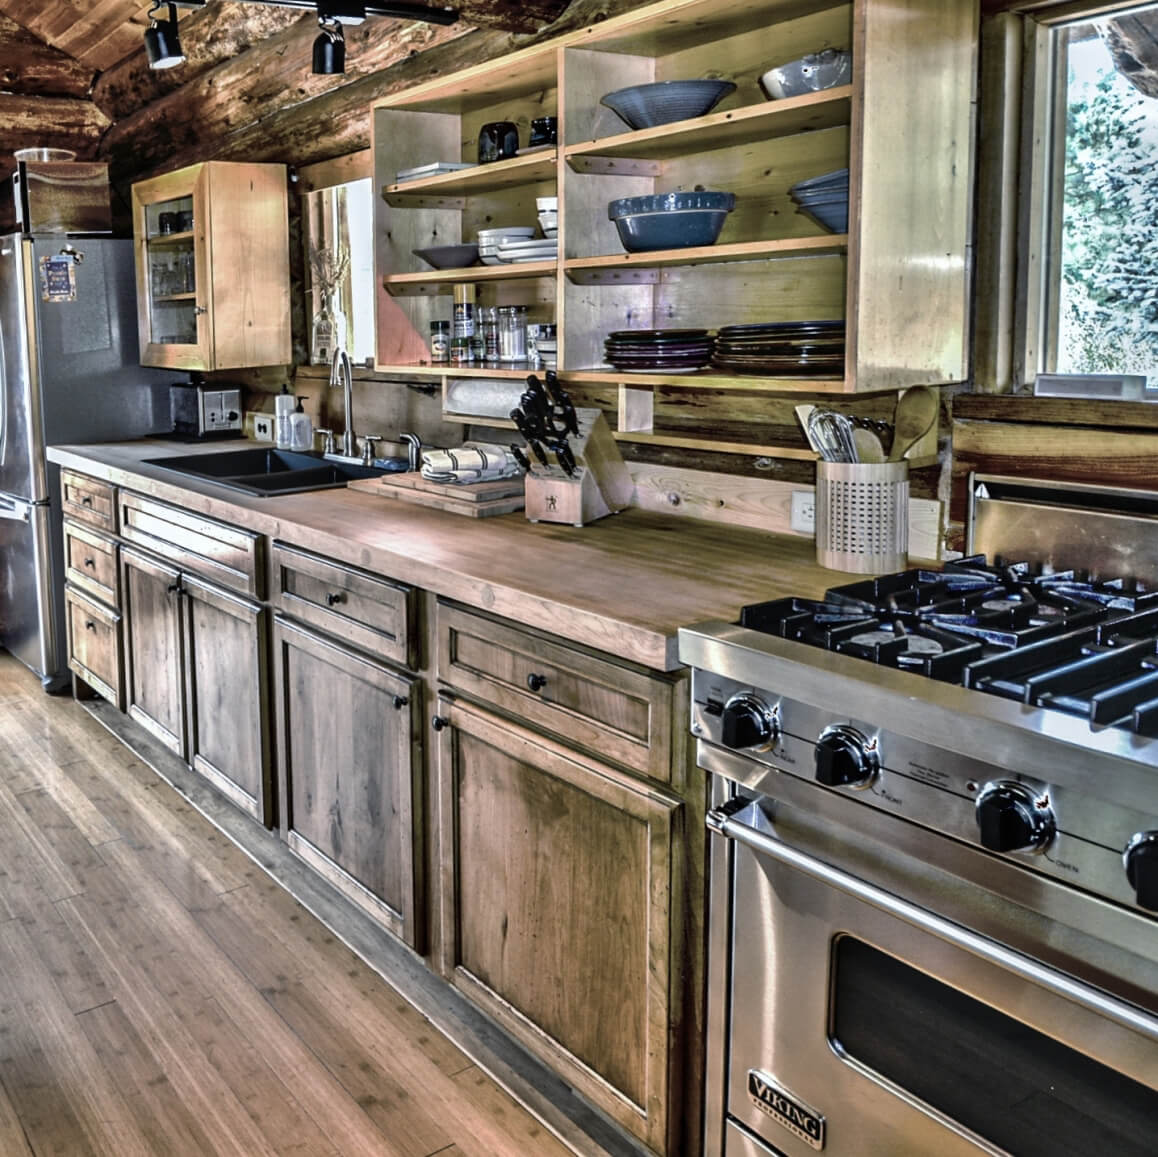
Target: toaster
column 205, row 411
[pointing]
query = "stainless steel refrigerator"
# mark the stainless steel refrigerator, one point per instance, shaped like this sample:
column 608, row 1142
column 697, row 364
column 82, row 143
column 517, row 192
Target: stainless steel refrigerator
column 68, row 373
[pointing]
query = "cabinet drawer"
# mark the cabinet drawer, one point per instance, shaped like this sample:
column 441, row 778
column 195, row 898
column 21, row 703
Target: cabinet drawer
column 94, row 644
column 91, row 563
column 620, row 712
column 214, row 550
column 89, row 500
column 368, row 612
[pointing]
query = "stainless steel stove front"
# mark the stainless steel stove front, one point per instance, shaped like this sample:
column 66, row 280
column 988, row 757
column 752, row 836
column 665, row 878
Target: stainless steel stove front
column 877, row 988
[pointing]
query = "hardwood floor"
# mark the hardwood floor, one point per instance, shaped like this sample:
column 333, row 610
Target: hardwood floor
column 161, row 995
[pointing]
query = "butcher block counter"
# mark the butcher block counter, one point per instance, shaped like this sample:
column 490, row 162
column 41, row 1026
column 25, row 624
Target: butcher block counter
column 475, row 730
column 625, row 584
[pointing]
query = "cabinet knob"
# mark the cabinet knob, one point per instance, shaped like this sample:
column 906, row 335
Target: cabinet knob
column 400, row 701
column 174, row 588
column 86, row 500
column 536, row 682
column 90, row 562
column 439, row 722
column 333, row 598
column 200, row 309
column 89, row 625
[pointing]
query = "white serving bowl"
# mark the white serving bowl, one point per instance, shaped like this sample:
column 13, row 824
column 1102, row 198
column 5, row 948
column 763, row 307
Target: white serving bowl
column 542, row 203
column 819, row 70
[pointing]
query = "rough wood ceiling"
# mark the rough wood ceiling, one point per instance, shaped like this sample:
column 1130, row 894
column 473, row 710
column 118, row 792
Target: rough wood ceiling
column 96, row 34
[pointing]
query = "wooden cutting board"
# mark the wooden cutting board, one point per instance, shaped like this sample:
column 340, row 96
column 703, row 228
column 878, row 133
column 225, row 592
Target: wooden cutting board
column 476, row 499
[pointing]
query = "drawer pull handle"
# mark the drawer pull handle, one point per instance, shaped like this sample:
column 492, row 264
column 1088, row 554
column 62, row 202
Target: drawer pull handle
column 438, row 723
column 90, row 562
column 332, row 598
column 86, row 500
column 174, row 588
column 400, row 701
column 536, row 682
column 89, row 625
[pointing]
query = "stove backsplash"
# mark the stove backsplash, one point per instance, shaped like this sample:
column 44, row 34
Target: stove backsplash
column 1109, row 533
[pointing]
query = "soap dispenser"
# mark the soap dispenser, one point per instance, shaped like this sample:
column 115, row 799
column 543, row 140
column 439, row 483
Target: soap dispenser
column 283, row 417
column 301, row 428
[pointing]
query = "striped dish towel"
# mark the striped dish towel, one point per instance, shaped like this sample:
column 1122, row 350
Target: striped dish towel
column 470, row 462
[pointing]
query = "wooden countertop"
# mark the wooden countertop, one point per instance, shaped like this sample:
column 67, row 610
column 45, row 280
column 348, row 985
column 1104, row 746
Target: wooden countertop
column 623, row 585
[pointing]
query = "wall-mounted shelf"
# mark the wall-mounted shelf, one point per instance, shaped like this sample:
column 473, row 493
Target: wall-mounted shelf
column 761, row 122
column 439, row 281
column 447, row 189
column 623, row 266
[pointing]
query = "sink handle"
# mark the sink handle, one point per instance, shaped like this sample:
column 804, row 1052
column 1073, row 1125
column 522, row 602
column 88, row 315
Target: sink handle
column 328, row 444
column 368, row 441
column 413, row 450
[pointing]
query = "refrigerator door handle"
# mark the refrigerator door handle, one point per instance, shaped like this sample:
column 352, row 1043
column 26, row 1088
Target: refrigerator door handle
column 13, row 510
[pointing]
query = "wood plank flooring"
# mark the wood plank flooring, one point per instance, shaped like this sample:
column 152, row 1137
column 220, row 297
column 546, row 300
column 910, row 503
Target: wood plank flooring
column 161, row 995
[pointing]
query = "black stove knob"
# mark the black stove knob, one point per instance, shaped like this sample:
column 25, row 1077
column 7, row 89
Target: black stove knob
column 1141, row 861
column 747, row 721
column 846, row 757
column 1012, row 817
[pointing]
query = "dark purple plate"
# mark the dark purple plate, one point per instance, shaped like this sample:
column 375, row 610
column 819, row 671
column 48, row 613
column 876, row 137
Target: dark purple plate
column 781, row 327
column 656, row 334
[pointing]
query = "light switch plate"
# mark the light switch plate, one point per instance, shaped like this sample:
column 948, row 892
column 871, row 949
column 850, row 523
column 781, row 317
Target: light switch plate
column 803, row 516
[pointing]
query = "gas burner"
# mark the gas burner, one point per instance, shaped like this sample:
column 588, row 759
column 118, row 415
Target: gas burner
column 1061, row 639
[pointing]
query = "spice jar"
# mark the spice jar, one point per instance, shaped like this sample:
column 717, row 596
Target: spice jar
column 463, row 328
column 439, row 343
column 512, row 333
column 488, row 324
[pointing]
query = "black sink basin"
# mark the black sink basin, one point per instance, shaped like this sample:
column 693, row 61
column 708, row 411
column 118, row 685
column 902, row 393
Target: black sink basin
column 267, row 472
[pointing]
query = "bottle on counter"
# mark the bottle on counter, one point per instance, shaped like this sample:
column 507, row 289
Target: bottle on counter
column 301, row 428
column 283, row 409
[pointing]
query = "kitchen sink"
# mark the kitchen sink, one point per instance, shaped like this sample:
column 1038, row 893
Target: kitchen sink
column 267, row 472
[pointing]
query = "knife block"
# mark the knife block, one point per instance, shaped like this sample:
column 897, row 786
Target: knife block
column 601, row 483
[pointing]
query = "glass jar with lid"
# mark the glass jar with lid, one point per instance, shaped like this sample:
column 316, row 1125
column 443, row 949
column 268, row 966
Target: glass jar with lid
column 512, row 333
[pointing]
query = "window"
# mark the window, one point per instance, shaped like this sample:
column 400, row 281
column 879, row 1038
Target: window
column 340, row 251
column 1066, row 268
column 1102, row 266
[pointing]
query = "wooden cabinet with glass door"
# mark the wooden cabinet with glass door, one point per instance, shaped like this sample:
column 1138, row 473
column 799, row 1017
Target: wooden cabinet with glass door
column 212, row 255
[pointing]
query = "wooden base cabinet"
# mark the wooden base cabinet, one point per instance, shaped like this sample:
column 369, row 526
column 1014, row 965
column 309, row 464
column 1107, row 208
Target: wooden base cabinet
column 351, row 774
column 562, row 910
column 196, row 676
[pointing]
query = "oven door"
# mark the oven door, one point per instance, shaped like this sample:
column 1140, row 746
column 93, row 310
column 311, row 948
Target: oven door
column 863, row 1021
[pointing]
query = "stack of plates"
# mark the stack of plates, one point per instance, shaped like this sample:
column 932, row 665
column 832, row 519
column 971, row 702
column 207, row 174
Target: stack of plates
column 489, row 240
column 513, row 251
column 824, row 199
column 782, row 348
column 669, row 351
column 432, row 170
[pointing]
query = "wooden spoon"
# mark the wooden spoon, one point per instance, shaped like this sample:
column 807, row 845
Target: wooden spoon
column 916, row 413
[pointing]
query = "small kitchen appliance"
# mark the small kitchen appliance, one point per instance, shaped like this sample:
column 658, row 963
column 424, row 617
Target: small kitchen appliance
column 201, row 411
column 934, row 868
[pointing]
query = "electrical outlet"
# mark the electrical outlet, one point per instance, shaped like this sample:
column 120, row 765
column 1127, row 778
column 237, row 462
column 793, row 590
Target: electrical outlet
column 262, row 426
column 803, row 516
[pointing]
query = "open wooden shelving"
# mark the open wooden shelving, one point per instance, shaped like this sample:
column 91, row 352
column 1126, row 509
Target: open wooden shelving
column 438, row 281
column 761, row 122
column 448, row 190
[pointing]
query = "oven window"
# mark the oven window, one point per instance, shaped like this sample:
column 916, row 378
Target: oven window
column 1011, row 1085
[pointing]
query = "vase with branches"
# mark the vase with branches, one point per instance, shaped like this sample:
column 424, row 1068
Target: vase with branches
column 328, row 269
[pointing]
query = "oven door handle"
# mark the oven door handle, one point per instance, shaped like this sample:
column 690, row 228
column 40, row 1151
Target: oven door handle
column 1100, row 1003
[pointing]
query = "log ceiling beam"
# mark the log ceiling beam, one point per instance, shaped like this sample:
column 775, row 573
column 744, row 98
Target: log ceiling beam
column 51, row 122
column 211, row 36
column 32, row 68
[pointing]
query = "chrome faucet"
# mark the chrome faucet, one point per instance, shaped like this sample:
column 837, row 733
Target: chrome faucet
column 342, row 375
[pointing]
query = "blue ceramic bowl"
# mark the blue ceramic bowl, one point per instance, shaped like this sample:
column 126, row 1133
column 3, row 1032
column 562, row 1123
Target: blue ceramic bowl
column 645, row 105
column 831, row 214
column 670, row 220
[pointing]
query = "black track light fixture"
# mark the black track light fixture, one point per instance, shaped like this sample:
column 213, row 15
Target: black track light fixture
column 162, row 41
column 329, row 47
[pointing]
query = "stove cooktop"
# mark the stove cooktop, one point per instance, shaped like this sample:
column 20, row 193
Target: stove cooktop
column 1062, row 640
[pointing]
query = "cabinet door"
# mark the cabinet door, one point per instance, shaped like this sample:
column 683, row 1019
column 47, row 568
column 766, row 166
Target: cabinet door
column 561, row 915
column 350, row 774
column 226, row 681
column 154, row 692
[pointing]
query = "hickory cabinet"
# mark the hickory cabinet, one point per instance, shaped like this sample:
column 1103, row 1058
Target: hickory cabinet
column 566, row 876
column 195, row 642
column 212, row 257
column 349, row 738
